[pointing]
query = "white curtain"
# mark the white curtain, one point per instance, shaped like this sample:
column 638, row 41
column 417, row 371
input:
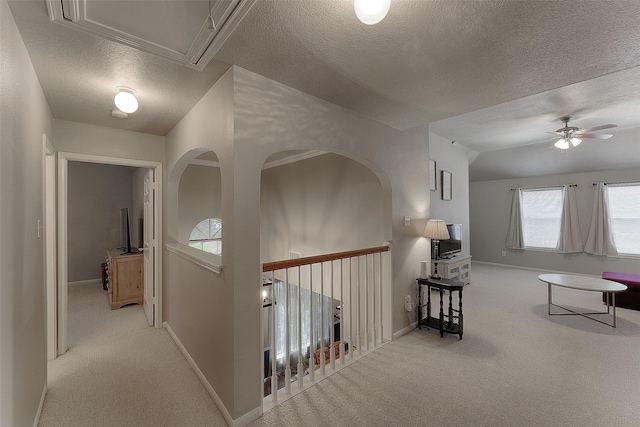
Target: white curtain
column 514, row 234
column 570, row 236
column 279, row 289
column 600, row 238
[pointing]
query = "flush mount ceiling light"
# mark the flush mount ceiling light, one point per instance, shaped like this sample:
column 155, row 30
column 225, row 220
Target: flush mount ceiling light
column 371, row 11
column 125, row 100
column 119, row 114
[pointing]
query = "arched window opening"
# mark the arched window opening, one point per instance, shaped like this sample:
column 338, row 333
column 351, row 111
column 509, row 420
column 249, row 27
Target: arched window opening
column 207, row 236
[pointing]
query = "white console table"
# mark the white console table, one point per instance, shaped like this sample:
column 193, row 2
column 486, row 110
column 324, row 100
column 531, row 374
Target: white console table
column 458, row 267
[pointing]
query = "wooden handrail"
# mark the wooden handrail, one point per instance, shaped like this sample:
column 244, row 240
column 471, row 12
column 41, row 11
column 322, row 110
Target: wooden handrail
column 289, row 263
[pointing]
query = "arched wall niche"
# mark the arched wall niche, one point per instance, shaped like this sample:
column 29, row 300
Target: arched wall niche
column 193, row 192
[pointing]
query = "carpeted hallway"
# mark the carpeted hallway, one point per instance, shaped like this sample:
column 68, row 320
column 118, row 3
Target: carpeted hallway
column 119, row 371
column 516, row 366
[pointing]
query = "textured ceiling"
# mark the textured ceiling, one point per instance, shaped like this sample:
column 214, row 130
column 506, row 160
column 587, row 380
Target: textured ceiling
column 79, row 74
column 490, row 74
column 429, row 60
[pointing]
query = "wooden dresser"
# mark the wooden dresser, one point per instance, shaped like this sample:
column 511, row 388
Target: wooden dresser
column 125, row 278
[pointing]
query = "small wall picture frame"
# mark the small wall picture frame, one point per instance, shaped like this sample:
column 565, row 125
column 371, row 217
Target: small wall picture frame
column 433, row 176
column 445, row 184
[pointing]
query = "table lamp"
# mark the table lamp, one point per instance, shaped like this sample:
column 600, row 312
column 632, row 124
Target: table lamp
column 436, row 230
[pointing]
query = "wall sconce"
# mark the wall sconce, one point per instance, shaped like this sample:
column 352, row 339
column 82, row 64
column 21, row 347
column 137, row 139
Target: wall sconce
column 371, row 11
column 125, row 100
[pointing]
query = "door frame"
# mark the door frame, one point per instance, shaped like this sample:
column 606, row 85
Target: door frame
column 63, row 175
column 50, row 255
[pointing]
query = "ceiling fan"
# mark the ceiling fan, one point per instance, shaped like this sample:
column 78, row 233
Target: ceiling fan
column 572, row 136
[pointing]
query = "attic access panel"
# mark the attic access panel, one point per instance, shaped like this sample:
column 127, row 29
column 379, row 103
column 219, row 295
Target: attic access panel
column 175, row 30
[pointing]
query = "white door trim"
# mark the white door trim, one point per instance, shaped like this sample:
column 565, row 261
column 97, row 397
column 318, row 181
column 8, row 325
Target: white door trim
column 63, row 167
column 49, row 186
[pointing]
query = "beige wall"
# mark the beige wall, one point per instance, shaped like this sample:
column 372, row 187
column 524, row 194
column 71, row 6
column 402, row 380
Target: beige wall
column 96, row 193
column 490, row 206
column 451, row 158
column 81, row 138
column 244, row 119
column 325, row 204
column 197, row 303
column 24, row 118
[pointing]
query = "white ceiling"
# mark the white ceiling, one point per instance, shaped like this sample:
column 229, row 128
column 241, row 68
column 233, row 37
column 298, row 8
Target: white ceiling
column 489, row 74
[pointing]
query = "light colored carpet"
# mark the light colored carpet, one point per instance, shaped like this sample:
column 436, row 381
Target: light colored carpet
column 121, row 372
column 515, row 366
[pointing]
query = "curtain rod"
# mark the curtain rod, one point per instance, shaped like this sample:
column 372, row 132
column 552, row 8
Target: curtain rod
column 620, row 182
column 542, row 188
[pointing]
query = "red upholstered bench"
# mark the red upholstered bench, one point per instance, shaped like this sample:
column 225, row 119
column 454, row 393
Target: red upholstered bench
column 629, row 298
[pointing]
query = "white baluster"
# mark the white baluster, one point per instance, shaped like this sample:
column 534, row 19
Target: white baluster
column 287, row 358
column 351, row 307
column 322, row 341
column 381, row 279
column 367, row 338
column 358, row 302
column 342, row 331
column 274, row 374
column 331, row 315
column 312, row 345
column 300, row 364
column 373, row 273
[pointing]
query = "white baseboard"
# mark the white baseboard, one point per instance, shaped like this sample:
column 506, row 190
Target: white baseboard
column 248, row 417
column 203, row 379
column 405, row 330
column 85, row 282
column 44, row 393
column 541, row 270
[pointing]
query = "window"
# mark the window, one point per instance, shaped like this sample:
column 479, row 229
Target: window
column 207, row 236
column 624, row 213
column 541, row 215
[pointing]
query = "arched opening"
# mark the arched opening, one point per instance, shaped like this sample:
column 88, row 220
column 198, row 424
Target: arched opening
column 194, row 206
column 316, row 203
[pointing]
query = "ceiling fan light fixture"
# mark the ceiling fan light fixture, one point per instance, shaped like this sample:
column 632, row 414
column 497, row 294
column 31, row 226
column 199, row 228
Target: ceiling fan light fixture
column 371, row 12
column 125, row 100
column 575, row 141
column 562, row 144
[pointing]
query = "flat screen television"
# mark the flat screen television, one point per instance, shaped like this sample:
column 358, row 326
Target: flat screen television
column 452, row 246
column 125, row 231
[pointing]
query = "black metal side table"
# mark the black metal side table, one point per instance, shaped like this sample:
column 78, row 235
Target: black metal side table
column 450, row 322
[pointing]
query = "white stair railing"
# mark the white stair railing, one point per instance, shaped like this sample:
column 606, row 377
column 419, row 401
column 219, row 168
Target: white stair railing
column 308, row 304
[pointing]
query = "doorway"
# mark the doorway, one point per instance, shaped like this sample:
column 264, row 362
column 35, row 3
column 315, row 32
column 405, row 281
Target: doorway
column 152, row 221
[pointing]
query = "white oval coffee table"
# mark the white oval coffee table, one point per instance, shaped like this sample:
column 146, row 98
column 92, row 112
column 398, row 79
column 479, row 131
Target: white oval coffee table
column 584, row 283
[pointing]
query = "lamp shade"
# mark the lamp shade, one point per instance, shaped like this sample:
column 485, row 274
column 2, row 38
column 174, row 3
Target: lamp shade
column 125, row 100
column 436, row 229
column 371, row 11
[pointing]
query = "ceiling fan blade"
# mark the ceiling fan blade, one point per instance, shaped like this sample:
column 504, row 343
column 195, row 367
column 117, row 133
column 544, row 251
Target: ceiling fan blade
column 601, row 127
column 594, row 135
